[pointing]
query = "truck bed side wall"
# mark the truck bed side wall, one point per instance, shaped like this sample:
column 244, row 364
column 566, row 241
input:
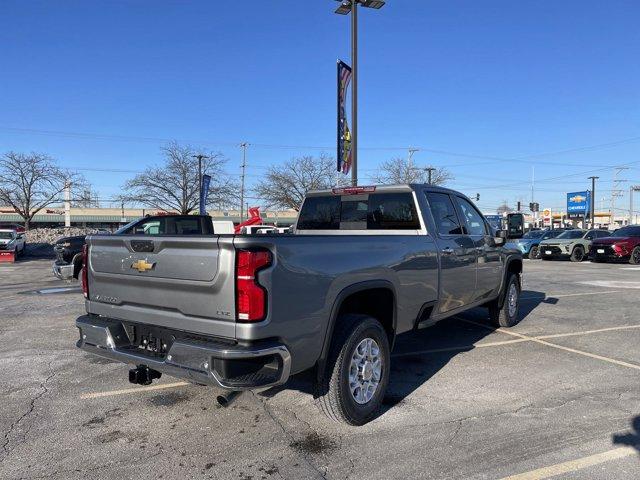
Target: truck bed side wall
column 309, row 274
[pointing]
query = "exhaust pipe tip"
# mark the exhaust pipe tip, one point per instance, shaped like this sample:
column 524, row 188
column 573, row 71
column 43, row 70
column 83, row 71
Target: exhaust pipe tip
column 227, row 398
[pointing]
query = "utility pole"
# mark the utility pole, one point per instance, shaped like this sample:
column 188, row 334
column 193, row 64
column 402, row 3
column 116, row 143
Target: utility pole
column 67, row 204
column 616, row 192
column 429, row 170
column 244, row 146
column 592, row 207
column 200, row 157
column 346, row 7
column 410, row 158
column 633, row 188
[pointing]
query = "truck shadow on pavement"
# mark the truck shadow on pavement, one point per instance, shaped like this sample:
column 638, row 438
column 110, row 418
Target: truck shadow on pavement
column 630, row 438
column 419, row 355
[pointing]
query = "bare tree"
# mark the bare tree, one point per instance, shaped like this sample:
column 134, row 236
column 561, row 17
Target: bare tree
column 29, row 183
column 285, row 185
column 399, row 170
column 174, row 185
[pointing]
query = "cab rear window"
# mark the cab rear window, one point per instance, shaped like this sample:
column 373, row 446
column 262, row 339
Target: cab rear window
column 379, row 211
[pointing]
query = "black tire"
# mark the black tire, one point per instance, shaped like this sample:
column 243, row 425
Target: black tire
column 634, row 259
column 505, row 316
column 534, row 253
column 577, row 255
column 332, row 391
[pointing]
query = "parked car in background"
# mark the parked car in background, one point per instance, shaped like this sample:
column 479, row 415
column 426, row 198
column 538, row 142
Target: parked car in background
column 13, row 240
column 68, row 250
column 572, row 244
column 68, row 262
column 529, row 244
column 169, row 225
column 623, row 244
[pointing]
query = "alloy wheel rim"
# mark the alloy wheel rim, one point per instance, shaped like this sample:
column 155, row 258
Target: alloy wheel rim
column 365, row 371
column 513, row 300
column 636, row 255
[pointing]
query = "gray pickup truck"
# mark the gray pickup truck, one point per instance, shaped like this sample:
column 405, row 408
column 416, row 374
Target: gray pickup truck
column 362, row 265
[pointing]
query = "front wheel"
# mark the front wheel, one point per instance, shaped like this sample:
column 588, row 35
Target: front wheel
column 534, row 253
column 635, row 256
column 577, row 255
column 352, row 387
column 507, row 315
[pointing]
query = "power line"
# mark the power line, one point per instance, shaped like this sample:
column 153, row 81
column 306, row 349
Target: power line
column 520, row 159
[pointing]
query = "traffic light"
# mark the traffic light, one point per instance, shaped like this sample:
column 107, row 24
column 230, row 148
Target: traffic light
column 477, row 197
column 518, row 209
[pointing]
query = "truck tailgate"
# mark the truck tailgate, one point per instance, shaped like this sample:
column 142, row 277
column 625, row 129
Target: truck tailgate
column 179, row 282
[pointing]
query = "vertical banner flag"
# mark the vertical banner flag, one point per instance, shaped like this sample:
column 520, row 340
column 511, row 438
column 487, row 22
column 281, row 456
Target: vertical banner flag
column 204, row 193
column 344, row 135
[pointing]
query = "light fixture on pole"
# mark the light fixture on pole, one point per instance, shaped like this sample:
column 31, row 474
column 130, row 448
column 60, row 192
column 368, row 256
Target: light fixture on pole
column 346, row 7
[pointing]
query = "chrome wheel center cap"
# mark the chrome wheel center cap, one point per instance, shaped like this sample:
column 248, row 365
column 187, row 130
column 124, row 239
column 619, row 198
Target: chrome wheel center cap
column 366, row 371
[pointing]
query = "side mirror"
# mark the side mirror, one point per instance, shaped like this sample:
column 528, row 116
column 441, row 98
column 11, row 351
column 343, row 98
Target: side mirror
column 515, row 225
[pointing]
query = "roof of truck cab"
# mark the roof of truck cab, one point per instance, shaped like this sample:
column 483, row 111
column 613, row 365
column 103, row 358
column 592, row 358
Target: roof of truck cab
column 401, row 187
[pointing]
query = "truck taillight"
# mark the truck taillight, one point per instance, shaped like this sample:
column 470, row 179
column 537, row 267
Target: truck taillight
column 83, row 272
column 251, row 297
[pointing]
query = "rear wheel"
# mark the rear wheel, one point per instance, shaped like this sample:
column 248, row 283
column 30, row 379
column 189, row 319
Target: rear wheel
column 507, row 315
column 534, row 253
column 577, row 255
column 352, row 387
column 635, row 256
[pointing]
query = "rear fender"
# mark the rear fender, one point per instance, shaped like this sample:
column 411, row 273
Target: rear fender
column 335, row 309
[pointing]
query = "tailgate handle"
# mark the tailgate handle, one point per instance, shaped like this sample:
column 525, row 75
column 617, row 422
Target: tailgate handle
column 142, row 246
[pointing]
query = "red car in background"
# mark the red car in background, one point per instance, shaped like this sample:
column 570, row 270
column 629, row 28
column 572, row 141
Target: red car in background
column 623, row 244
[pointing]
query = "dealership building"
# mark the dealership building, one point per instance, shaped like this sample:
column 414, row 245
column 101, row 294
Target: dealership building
column 113, row 218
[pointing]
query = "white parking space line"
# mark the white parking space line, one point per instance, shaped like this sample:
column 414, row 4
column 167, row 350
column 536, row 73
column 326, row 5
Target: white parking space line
column 539, row 297
column 574, row 465
column 629, row 268
column 455, row 349
column 559, row 347
column 588, row 332
column 127, row 391
column 612, row 284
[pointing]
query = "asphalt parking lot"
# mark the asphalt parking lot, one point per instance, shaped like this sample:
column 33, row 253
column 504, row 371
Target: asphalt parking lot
column 556, row 396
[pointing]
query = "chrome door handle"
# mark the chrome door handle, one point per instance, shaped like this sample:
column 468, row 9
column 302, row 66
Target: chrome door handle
column 447, row 251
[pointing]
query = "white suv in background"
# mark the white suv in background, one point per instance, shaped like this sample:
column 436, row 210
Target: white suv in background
column 12, row 240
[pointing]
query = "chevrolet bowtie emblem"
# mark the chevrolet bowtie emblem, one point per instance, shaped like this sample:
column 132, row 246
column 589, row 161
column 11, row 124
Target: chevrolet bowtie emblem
column 142, row 265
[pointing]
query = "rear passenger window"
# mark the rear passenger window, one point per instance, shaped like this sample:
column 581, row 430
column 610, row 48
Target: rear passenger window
column 320, row 213
column 471, row 217
column 392, row 211
column 187, row 226
column 444, row 214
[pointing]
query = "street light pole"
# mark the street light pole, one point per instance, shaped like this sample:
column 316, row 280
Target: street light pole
column 593, row 201
column 346, row 7
column 354, row 93
column 243, row 145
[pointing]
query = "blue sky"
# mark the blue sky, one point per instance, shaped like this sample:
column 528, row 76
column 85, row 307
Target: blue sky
column 500, row 79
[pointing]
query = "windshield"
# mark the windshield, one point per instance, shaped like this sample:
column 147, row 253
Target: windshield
column 627, row 232
column 571, row 234
column 533, row 234
column 6, row 235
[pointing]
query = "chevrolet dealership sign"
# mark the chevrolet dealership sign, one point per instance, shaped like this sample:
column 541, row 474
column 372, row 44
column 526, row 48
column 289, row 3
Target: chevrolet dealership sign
column 578, row 204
